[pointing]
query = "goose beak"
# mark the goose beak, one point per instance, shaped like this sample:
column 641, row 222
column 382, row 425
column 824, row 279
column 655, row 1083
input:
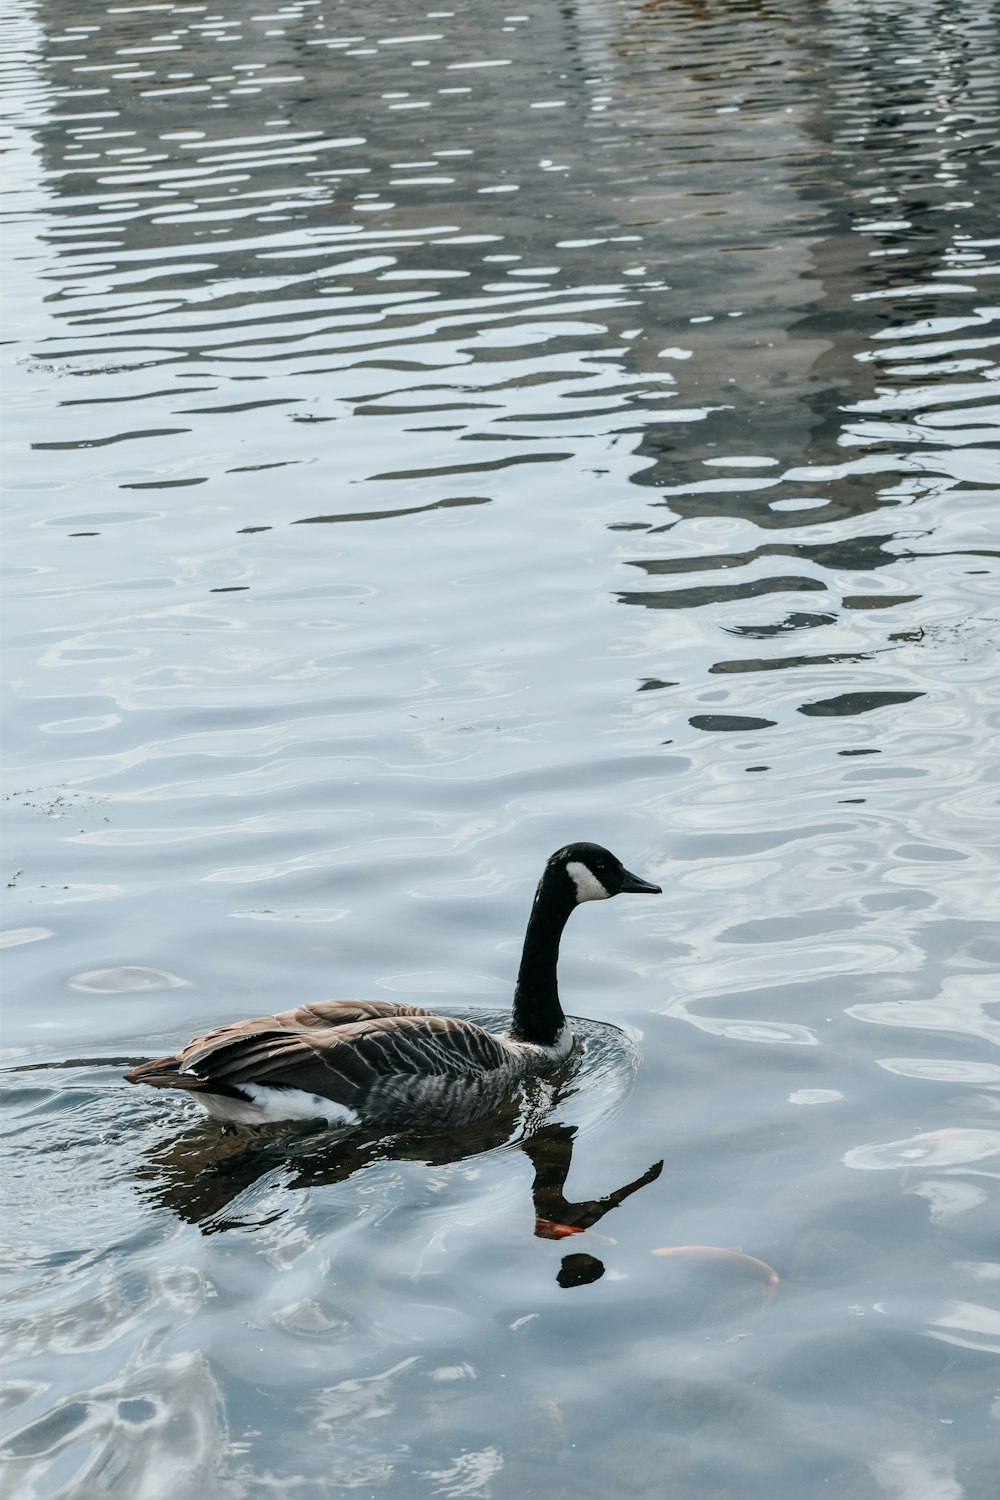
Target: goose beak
column 633, row 885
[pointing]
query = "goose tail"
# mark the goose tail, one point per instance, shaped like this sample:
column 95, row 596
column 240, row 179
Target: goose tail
column 165, row 1073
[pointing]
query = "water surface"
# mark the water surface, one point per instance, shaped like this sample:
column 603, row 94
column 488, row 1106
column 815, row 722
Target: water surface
column 430, row 437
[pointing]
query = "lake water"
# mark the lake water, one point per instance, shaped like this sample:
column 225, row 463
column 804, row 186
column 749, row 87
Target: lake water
column 432, row 436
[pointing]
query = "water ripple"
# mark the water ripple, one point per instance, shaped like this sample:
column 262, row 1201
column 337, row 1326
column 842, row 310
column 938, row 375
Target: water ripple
column 673, row 307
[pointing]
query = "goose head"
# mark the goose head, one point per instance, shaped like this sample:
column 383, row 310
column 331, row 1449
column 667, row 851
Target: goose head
column 590, row 873
column 574, row 874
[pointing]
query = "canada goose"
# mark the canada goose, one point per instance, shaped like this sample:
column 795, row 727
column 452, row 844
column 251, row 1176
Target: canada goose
column 374, row 1062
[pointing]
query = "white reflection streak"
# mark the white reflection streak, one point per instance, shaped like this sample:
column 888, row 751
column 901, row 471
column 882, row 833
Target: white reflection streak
column 942, row 1070
column 362, row 1399
column 960, row 1007
column 948, row 1200
column 968, row 1324
column 468, row 1475
column 915, row 1476
column 15, row 936
column 951, row 1146
column 159, row 1428
column 743, row 1030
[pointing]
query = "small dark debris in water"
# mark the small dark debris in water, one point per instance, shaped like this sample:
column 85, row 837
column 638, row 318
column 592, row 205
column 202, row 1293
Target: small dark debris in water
column 846, row 801
column 848, row 704
column 859, row 752
column 12, row 882
column 164, row 484
column 795, row 621
column 648, row 684
column 232, row 588
column 118, row 437
column 729, row 723
column 195, row 411
column 54, row 807
column 783, row 663
column 448, row 503
column 249, row 530
column 255, row 468
column 83, row 533
column 756, row 768
column 579, row 1270
column 908, row 635
column 877, row 601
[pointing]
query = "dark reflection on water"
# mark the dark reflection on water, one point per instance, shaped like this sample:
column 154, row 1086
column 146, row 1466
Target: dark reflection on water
column 200, row 1175
column 685, row 306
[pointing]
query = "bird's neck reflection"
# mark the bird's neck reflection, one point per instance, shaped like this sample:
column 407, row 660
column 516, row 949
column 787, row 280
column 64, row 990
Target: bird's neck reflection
column 550, row 1151
column 199, row 1175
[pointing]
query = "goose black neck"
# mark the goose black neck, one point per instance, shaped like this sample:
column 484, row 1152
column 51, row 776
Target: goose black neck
column 538, row 1016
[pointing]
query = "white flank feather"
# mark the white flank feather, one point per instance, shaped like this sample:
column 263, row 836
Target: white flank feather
column 265, row 1105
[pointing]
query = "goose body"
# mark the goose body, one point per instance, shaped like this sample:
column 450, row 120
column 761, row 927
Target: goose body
column 378, row 1063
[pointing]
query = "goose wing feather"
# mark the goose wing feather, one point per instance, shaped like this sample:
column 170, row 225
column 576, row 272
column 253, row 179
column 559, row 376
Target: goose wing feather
column 343, row 1012
column 291, row 1023
column 391, row 1063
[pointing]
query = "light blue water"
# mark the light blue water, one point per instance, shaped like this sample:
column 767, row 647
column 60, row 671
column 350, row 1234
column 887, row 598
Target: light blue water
column 431, row 437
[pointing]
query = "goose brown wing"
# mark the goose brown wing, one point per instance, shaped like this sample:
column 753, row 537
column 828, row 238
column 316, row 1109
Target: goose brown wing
column 343, row 1012
column 185, row 1069
column 324, row 1013
column 369, row 1065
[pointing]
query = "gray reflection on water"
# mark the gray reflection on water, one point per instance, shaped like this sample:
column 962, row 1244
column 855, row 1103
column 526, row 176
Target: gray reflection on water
column 683, row 305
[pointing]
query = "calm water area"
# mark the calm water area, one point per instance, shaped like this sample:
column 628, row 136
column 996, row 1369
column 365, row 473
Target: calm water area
column 431, row 436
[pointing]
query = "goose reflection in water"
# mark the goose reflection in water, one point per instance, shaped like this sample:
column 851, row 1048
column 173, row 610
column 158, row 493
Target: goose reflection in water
column 550, row 1151
column 200, row 1175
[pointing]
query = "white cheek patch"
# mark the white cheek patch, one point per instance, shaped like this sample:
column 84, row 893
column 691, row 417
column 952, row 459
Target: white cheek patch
column 588, row 887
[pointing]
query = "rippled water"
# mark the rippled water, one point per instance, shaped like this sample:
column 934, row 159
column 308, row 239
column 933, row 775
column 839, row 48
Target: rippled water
column 429, row 437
